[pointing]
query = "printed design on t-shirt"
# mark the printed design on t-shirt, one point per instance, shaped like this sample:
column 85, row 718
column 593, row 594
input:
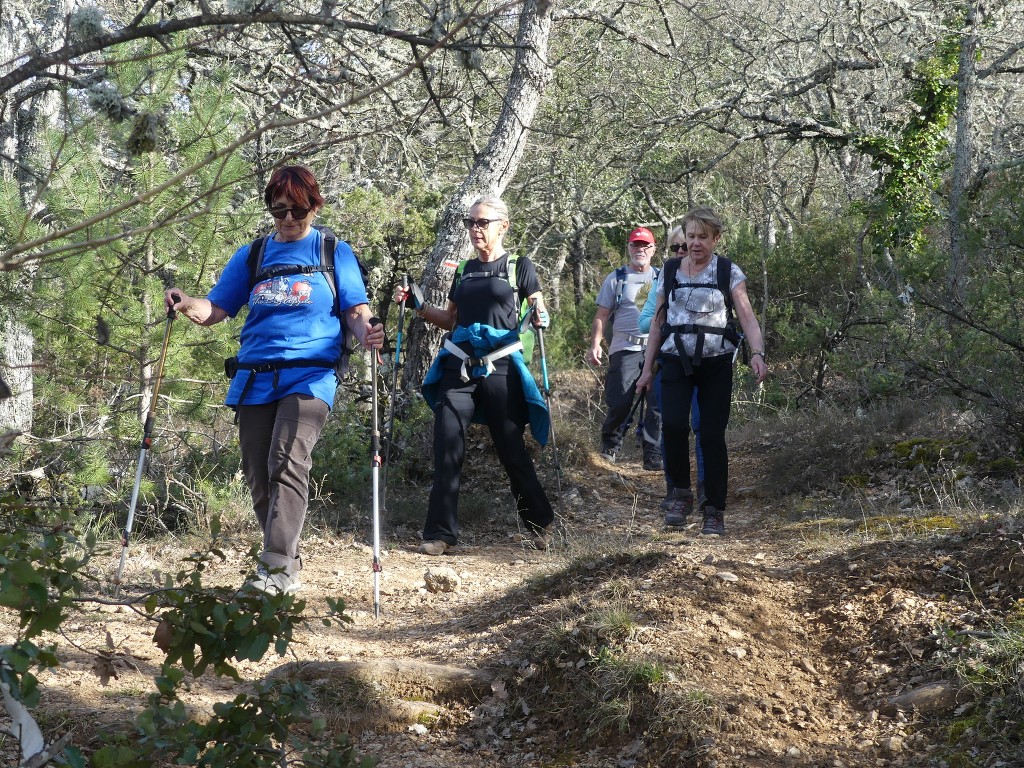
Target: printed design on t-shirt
column 639, row 297
column 283, row 291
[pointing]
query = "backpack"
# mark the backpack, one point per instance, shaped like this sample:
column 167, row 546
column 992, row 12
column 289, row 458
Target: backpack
column 328, row 242
column 509, row 276
column 722, row 278
column 620, row 288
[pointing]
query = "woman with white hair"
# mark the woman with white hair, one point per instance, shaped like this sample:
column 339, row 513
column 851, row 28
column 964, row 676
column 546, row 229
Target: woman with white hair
column 480, row 375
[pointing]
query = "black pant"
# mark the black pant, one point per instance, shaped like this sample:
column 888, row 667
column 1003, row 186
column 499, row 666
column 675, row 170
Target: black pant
column 623, row 370
column 713, row 380
column 500, row 400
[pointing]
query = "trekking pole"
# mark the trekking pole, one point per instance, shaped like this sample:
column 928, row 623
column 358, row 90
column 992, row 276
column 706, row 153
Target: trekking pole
column 640, row 429
column 374, row 470
column 638, row 398
column 395, row 362
column 147, row 441
column 551, row 417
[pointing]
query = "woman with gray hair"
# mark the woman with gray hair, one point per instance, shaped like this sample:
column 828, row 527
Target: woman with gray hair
column 480, row 375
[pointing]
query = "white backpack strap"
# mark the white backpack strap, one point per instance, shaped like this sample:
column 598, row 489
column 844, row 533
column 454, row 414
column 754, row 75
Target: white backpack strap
column 486, row 362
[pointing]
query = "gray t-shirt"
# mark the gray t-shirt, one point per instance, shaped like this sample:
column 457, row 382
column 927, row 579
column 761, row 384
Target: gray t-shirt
column 626, row 317
column 700, row 306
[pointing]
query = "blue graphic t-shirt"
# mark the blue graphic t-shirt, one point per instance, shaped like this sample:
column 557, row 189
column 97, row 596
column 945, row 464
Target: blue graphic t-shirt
column 290, row 318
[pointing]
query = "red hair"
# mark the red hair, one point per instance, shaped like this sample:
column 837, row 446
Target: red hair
column 295, row 182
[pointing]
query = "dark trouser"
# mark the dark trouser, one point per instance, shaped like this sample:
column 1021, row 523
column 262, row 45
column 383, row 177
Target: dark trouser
column 277, row 442
column 623, row 370
column 500, row 400
column 713, row 381
column 694, row 424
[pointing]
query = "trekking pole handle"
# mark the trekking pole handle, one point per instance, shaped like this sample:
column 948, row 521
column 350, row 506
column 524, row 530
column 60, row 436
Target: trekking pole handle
column 171, row 313
column 543, row 358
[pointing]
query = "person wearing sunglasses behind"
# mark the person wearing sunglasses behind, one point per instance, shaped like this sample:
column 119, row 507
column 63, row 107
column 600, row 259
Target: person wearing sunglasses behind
column 291, row 344
column 480, row 376
column 674, row 515
column 618, row 303
column 694, row 338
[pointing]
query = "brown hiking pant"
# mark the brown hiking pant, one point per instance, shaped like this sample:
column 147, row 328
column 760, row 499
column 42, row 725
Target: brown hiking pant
column 277, row 441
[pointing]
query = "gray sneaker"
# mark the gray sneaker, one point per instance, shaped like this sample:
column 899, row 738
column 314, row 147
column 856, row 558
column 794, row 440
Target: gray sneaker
column 277, row 583
column 543, row 539
column 610, row 455
column 714, row 524
column 677, row 506
column 433, row 547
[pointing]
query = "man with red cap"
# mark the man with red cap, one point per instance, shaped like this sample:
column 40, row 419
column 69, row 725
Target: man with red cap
column 617, row 320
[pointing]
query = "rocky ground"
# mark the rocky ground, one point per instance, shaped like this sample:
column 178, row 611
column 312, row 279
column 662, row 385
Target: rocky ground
column 798, row 636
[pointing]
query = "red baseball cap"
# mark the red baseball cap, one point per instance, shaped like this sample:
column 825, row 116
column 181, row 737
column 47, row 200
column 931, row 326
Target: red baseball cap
column 643, row 234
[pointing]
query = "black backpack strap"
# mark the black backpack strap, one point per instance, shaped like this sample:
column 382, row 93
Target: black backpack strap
column 670, row 268
column 328, row 243
column 724, row 278
column 275, row 368
column 292, row 269
column 255, row 259
column 620, row 286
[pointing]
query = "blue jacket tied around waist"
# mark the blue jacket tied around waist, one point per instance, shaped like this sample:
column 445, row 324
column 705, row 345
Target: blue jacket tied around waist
column 484, row 339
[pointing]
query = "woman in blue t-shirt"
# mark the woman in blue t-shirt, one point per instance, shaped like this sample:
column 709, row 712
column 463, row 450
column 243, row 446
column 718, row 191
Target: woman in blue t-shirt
column 291, row 344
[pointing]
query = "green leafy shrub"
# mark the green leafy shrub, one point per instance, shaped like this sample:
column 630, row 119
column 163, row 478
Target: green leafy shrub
column 42, row 557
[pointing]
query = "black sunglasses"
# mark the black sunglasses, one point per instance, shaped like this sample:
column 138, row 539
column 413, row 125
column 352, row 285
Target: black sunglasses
column 677, row 247
column 297, row 213
column 481, row 223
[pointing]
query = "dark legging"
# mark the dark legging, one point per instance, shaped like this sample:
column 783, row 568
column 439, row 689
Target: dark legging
column 713, row 381
column 499, row 399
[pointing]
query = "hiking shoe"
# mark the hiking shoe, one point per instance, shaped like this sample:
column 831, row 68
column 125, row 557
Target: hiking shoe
column 677, row 505
column 277, row 583
column 543, row 539
column 609, row 455
column 714, row 524
column 433, row 547
column 653, row 463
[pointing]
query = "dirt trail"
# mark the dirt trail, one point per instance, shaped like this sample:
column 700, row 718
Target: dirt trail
column 797, row 646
